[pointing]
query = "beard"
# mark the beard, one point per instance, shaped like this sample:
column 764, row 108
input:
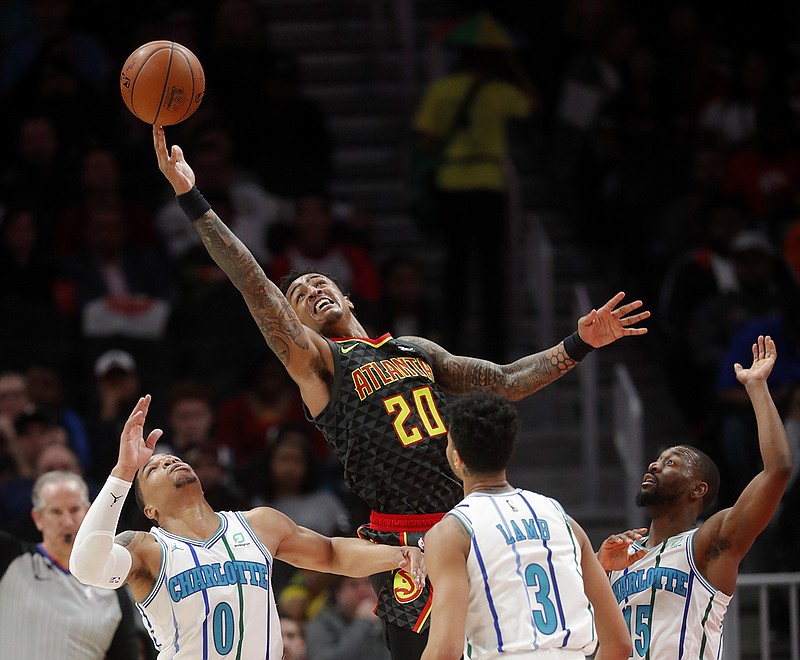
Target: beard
column 654, row 497
column 184, row 479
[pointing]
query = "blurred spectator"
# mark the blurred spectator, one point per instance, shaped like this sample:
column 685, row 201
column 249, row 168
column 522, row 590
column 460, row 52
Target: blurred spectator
column 267, row 400
column 219, row 487
column 27, row 267
column 37, row 162
column 190, row 419
column 294, row 643
column 221, row 177
column 306, row 595
column 120, row 290
column 116, row 388
column 733, row 429
column 472, row 186
column 405, row 307
column 14, row 399
column 287, row 477
column 45, row 389
column 34, row 430
column 315, row 243
column 291, row 153
column 348, row 627
column 100, row 189
column 766, row 173
column 693, row 277
column 763, row 282
column 731, row 117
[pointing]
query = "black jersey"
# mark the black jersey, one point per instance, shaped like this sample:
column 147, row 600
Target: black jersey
column 386, row 422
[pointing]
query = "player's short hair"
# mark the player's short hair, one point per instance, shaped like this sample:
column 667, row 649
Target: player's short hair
column 57, row 477
column 706, row 470
column 292, row 275
column 483, row 427
column 137, row 492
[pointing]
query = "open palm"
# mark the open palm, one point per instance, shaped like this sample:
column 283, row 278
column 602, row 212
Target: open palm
column 134, row 450
column 764, row 356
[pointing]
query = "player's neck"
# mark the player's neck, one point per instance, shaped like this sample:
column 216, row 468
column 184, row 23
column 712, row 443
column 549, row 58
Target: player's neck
column 345, row 328
column 669, row 523
column 487, row 483
column 196, row 520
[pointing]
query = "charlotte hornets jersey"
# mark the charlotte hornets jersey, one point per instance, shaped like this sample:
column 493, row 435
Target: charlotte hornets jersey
column 386, row 422
column 671, row 609
column 213, row 598
column 525, row 581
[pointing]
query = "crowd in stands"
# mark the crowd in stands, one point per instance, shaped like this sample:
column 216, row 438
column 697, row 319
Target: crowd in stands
column 672, row 133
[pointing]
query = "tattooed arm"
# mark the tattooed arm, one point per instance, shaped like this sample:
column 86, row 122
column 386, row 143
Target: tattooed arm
column 525, row 376
column 303, row 352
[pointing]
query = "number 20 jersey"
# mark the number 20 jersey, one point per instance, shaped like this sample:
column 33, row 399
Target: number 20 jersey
column 525, row 582
column 386, row 422
column 213, row 598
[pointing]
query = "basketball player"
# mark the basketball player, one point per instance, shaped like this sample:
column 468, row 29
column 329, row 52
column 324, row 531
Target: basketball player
column 512, row 573
column 45, row 612
column 201, row 579
column 380, row 402
column 675, row 591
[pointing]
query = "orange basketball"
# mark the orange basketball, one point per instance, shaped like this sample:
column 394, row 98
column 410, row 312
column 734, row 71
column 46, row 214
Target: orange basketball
column 162, row 83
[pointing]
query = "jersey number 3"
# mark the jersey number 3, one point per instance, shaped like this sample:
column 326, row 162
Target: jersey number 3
column 425, row 406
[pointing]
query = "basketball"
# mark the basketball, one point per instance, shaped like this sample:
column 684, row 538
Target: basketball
column 162, row 83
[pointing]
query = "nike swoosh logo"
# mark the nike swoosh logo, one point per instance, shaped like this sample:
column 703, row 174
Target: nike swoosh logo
column 348, row 349
column 405, row 348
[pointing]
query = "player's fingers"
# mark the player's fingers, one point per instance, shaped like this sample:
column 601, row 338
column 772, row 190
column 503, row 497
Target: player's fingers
column 153, row 437
column 611, row 304
column 628, row 307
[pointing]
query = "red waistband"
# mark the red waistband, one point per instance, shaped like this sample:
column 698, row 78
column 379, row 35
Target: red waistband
column 397, row 522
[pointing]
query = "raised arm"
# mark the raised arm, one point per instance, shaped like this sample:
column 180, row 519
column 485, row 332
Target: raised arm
column 525, row 376
column 296, row 346
column 96, row 559
column 724, row 539
column 446, row 550
column 304, row 548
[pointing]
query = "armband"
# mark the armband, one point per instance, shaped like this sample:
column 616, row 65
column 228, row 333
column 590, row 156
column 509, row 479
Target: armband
column 95, row 558
column 576, row 348
column 193, row 204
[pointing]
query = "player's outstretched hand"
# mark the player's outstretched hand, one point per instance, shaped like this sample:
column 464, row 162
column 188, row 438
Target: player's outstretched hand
column 411, row 560
column 602, row 326
column 172, row 163
column 134, row 450
column 620, row 550
column 764, row 356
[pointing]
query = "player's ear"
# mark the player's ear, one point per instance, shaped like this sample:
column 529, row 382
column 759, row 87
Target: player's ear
column 699, row 490
column 151, row 512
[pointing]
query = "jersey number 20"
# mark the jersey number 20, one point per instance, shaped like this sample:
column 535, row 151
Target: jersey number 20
column 425, row 406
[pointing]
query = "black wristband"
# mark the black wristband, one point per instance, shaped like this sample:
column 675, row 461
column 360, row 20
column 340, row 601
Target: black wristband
column 576, row 348
column 193, row 204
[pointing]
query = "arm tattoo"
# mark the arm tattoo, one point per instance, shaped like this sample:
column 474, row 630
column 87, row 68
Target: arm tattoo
column 274, row 316
column 125, row 538
column 517, row 380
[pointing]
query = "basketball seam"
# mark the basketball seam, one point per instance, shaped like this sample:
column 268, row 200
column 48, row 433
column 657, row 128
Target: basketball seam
column 132, row 94
column 191, row 96
column 166, row 80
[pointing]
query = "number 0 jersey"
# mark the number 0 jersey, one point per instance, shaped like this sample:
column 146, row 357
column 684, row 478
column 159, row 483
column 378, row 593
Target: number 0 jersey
column 213, row 598
column 525, row 582
column 671, row 609
column 386, row 422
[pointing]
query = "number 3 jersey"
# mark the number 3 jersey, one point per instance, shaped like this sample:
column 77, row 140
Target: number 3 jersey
column 386, row 422
column 213, row 598
column 525, row 581
column 671, row 609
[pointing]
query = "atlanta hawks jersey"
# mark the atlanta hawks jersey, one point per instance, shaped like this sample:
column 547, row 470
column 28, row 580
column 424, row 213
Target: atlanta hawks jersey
column 386, row 422
column 213, row 598
column 525, row 581
column 671, row 609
